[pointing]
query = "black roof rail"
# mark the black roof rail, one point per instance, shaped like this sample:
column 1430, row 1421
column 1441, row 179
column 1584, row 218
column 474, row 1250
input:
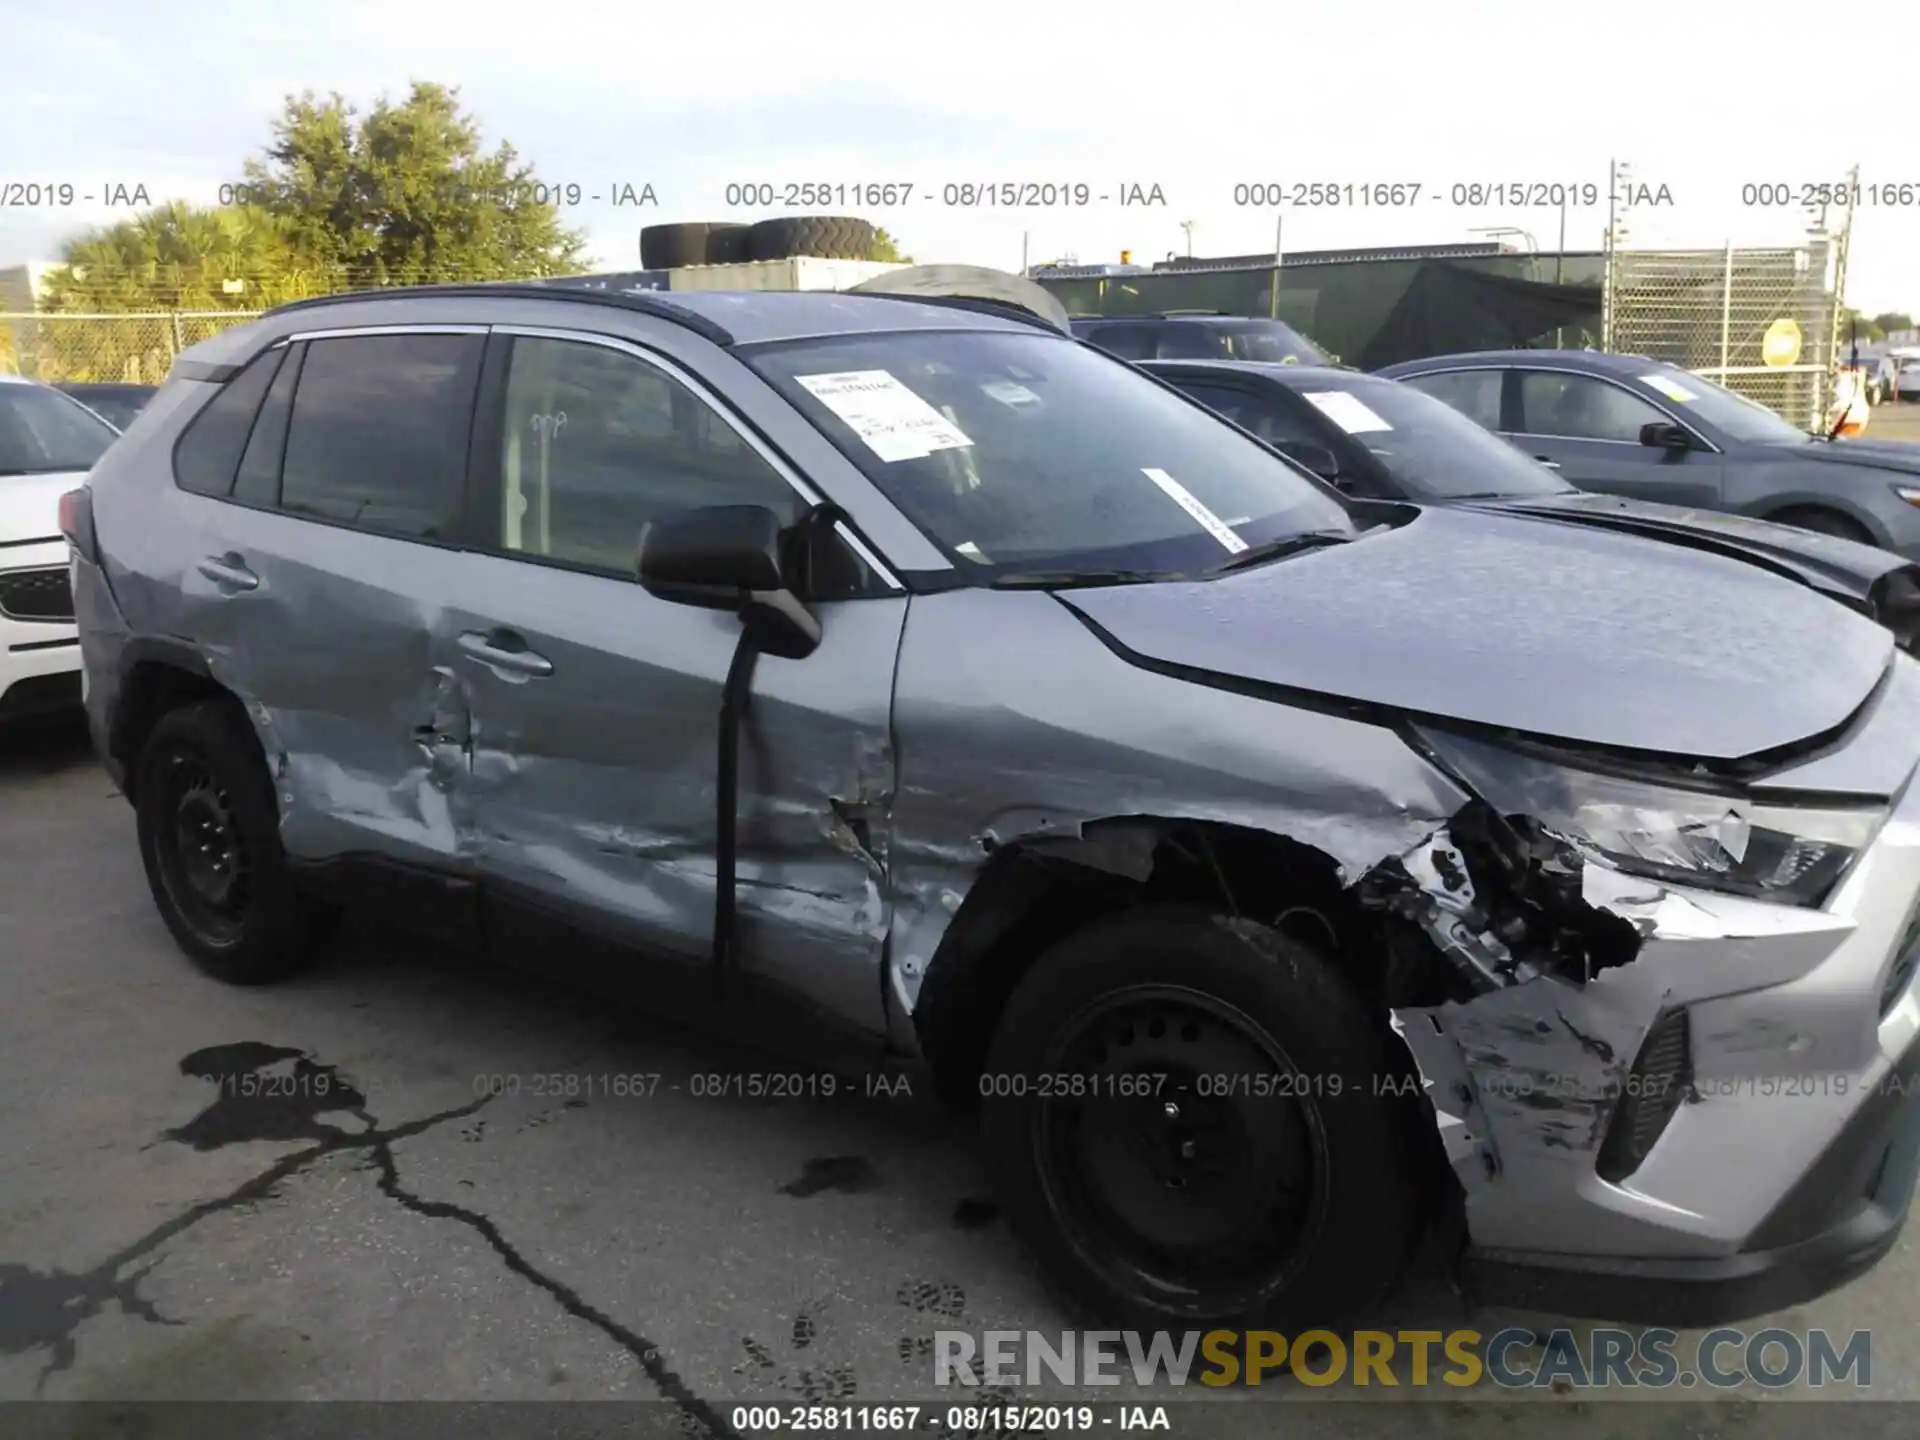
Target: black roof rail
column 646, row 302
column 1006, row 309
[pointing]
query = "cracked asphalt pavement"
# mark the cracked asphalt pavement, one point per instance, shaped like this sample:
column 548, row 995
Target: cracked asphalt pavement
column 408, row 1177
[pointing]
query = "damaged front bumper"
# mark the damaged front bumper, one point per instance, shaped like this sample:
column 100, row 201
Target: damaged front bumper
column 1725, row 1125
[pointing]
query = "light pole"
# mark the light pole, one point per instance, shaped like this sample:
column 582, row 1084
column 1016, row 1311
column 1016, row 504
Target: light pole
column 1187, row 225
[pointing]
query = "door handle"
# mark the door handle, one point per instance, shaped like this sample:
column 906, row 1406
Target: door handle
column 229, row 572
column 1550, row 464
column 503, row 650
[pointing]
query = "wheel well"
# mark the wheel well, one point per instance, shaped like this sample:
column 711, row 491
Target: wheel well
column 1793, row 514
column 1030, row 895
column 151, row 689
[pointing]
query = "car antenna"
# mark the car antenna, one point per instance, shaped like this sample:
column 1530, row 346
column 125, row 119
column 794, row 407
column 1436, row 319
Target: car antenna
column 1853, row 364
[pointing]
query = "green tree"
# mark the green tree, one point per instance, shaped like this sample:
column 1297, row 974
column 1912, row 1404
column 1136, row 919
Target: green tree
column 1853, row 323
column 887, row 249
column 175, row 257
column 185, row 257
column 1889, row 321
column 406, row 195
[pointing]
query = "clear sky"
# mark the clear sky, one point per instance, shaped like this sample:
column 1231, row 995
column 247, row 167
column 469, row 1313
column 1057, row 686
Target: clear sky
column 1704, row 99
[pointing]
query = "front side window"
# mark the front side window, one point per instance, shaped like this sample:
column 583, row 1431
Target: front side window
column 377, row 437
column 1474, row 393
column 1017, row 452
column 1580, row 407
column 43, row 432
column 596, row 442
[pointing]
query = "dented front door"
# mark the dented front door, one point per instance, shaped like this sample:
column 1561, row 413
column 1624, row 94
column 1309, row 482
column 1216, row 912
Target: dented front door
column 596, row 711
column 596, row 706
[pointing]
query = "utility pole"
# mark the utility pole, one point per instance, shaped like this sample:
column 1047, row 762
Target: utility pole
column 1279, row 251
column 1187, row 225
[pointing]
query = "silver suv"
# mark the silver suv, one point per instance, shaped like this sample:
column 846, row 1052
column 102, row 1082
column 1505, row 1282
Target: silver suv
column 905, row 682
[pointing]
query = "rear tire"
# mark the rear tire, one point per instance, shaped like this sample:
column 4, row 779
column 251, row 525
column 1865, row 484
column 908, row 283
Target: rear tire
column 1824, row 522
column 827, row 237
column 209, row 834
column 1273, row 1173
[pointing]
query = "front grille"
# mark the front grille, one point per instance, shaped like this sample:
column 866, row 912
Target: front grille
column 1657, row 1085
column 36, row 594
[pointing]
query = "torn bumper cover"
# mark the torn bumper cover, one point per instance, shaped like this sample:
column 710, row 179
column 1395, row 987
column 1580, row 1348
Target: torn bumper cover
column 1666, row 1104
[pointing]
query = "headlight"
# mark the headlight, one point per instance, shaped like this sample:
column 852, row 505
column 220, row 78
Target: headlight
column 1787, row 853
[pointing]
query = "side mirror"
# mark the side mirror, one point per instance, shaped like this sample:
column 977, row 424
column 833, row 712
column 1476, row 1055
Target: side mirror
column 1316, row 458
column 728, row 557
column 1665, row 435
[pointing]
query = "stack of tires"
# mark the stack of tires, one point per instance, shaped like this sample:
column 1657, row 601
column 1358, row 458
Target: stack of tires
column 824, row 237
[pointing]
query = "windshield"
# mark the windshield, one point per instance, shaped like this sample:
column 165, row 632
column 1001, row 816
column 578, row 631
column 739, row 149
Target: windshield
column 1270, row 340
column 1743, row 419
column 1428, row 446
column 1020, row 453
column 42, row 431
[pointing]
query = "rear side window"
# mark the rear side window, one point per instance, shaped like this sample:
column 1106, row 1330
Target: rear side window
column 378, row 433
column 208, row 453
column 259, row 480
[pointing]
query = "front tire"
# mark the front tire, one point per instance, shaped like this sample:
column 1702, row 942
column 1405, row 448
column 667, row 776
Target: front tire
column 210, row 842
column 1243, row 1148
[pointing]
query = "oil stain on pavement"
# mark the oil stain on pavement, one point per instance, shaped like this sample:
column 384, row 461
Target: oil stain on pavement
column 274, row 1093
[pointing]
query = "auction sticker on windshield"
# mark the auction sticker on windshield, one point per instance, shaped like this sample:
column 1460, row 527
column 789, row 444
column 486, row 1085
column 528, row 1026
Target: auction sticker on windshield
column 890, row 419
column 1672, row 389
column 1349, row 412
column 1188, row 502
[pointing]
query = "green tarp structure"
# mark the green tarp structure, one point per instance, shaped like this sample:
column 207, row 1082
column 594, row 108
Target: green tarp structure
column 1371, row 313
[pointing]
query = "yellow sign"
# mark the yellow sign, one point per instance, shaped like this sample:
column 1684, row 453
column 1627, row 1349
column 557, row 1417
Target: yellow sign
column 1781, row 344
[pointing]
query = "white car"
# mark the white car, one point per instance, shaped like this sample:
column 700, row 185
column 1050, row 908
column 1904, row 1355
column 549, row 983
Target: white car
column 48, row 442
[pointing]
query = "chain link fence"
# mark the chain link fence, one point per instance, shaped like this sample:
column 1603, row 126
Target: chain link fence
column 1711, row 311
column 135, row 348
column 1763, row 321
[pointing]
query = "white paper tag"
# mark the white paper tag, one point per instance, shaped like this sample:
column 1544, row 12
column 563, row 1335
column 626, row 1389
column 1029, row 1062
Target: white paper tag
column 1009, row 393
column 890, row 419
column 1209, row 521
column 1672, row 389
column 1347, row 411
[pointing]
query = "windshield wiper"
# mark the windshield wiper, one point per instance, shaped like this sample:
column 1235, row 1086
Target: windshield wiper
column 1080, row 579
column 1285, row 545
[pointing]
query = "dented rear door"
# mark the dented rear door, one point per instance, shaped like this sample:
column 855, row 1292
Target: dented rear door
column 596, row 706
column 314, row 588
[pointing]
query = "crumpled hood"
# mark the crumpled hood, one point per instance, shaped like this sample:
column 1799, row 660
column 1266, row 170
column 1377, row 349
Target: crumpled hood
column 1566, row 632
column 1863, row 454
column 30, row 505
column 1831, row 562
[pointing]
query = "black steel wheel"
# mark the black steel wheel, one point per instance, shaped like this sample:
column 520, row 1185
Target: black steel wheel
column 1192, row 1158
column 203, row 862
column 1195, row 1122
column 210, row 842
